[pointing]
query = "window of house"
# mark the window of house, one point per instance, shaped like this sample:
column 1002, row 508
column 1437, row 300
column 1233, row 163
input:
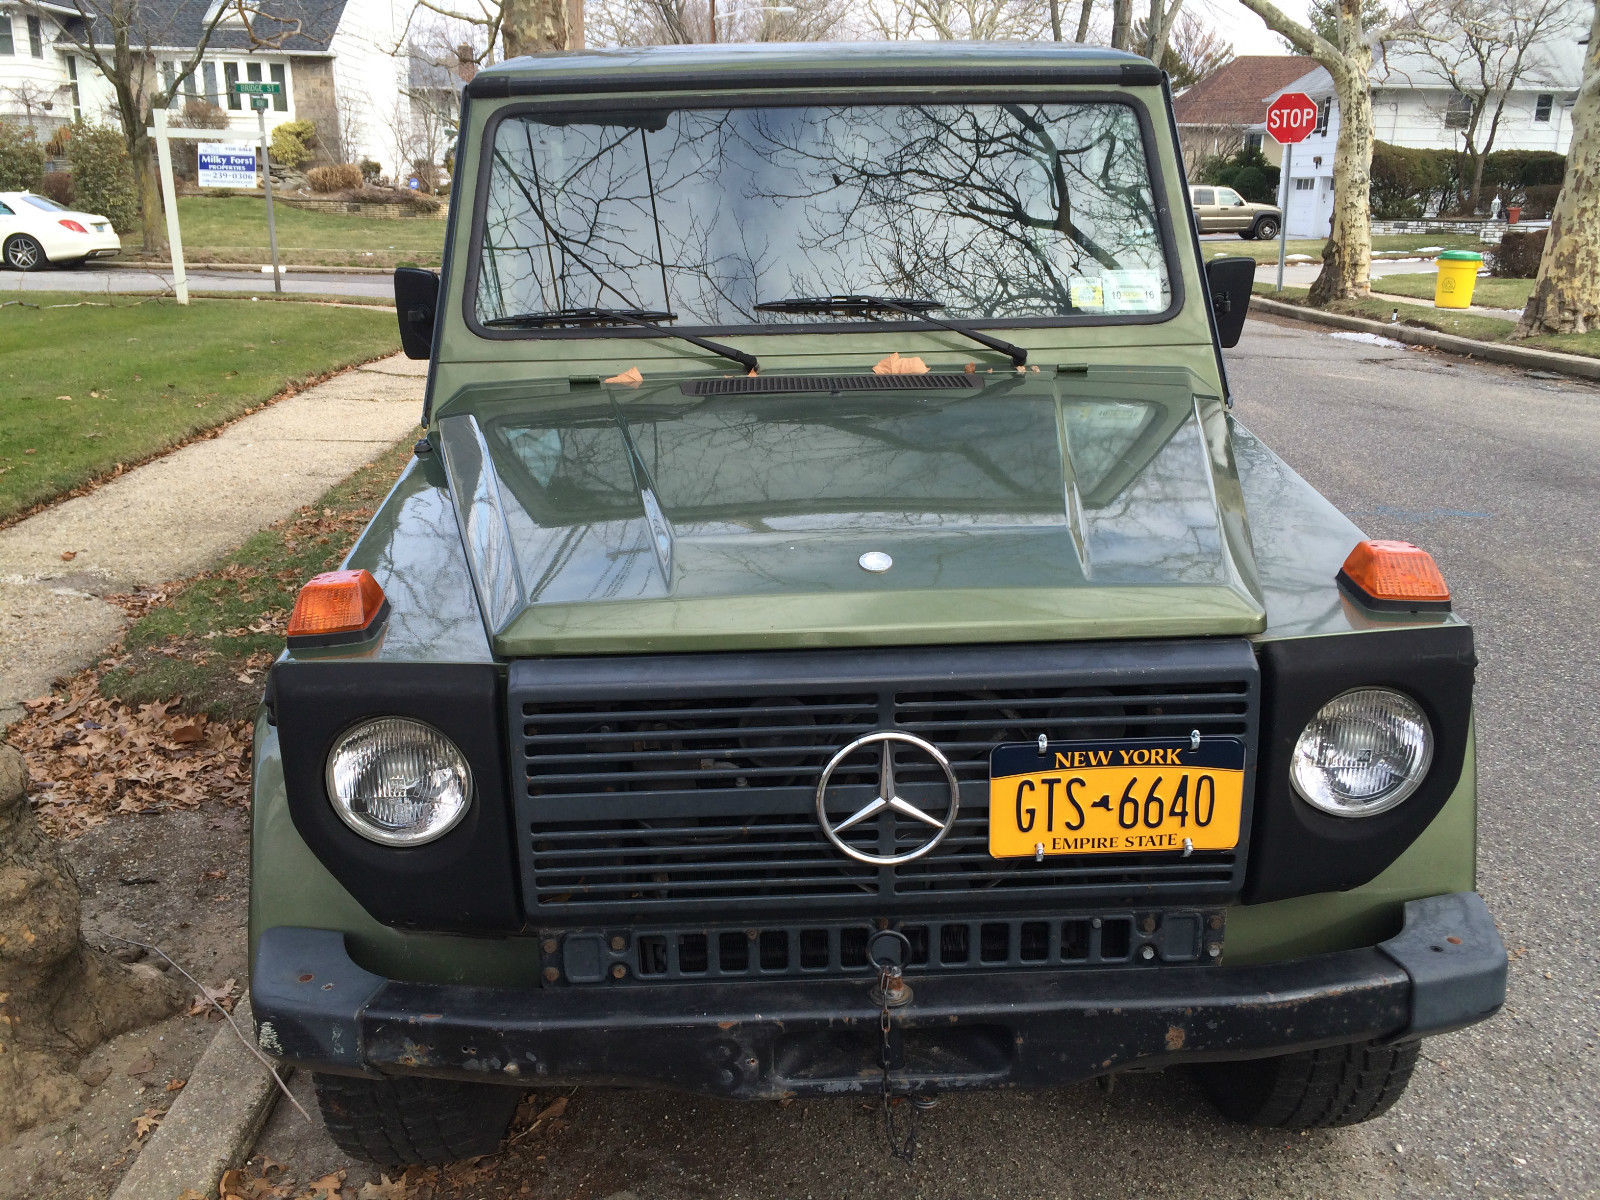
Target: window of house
column 7, row 45
column 1252, row 141
column 280, row 102
column 209, row 74
column 1458, row 111
column 252, row 72
column 1324, row 111
column 1543, row 105
column 230, row 76
column 1304, row 184
column 35, row 37
column 72, row 84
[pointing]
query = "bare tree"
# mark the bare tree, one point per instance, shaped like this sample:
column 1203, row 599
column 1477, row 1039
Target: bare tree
column 1566, row 296
column 1193, row 51
column 684, row 22
column 515, row 27
column 958, row 20
column 1122, row 24
column 37, row 102
column 120, row 39
column 1151, row 34
column 1482, row 50
column 1347, row 256
column 1199, row 143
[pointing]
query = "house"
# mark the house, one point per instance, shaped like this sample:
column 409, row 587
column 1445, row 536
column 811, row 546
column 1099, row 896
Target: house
column 335, row 60
column 1413, row 106
column 1227, row 109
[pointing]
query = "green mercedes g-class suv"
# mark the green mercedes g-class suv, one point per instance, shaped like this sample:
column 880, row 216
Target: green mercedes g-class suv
column 836, row 636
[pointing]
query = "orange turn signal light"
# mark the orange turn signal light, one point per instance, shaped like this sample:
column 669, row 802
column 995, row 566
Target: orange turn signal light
column 1394, row 576
column 336, row 605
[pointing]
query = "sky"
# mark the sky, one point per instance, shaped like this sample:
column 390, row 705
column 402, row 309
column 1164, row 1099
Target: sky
column 1243, row 28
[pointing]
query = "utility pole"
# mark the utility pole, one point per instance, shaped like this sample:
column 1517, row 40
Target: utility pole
column 260, row 104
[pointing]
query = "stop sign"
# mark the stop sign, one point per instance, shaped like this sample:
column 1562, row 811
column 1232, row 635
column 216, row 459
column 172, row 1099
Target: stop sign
column 1291, row 117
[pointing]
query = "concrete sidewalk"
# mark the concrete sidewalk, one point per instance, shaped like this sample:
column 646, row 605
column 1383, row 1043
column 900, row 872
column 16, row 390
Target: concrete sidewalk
column 178, row 514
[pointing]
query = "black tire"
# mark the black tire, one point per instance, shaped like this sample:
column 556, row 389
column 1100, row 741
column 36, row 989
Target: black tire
column 1266, row 229
column 1316, row 1089
column 414, row 1122
column 24, row 253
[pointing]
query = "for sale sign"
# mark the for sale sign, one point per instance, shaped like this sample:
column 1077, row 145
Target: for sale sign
column 1291, row 117
column 227, row 165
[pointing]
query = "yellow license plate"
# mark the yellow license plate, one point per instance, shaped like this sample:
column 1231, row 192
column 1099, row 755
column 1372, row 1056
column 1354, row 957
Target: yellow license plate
column 1132, row 796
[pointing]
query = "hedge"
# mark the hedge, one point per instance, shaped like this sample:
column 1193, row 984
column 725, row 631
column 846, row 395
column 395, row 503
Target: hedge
column 1411, row 182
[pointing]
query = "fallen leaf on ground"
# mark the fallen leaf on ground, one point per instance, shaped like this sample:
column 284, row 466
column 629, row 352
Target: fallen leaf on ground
column 143, row 1124
column 328, row 1187
column 631, row 376
column 68, row 555
column 226, row 996
column 176, row 1085
column 384, row 1189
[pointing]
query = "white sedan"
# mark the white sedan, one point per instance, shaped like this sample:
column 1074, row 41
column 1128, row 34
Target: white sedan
column 35, row 232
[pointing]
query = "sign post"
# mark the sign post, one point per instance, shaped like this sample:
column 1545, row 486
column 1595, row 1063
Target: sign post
column 1290, row 119
column 259, row 93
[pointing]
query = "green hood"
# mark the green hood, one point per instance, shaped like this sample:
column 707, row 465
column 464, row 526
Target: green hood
column 1036, row 506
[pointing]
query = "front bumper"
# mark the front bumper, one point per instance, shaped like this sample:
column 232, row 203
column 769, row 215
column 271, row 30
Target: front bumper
column 313, row 1005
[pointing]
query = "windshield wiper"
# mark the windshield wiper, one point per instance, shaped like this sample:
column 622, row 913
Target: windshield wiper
column 910, row 306
column 648, row 317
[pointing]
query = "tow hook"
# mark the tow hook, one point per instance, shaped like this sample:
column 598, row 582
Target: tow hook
column 887, row 951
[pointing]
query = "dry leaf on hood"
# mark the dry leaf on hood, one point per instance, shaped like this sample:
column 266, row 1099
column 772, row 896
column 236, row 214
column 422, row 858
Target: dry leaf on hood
column 631, row 377
column 895, row 365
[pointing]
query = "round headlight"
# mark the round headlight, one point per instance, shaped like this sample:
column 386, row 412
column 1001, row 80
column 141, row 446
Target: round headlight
column 398, row 781
column 1363, row 753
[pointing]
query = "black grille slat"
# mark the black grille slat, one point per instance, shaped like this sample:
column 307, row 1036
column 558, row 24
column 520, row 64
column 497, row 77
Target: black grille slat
column 687, row 783
column 770, row 385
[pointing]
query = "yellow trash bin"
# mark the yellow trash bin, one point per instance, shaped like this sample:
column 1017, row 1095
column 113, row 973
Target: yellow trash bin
column 1458, row 272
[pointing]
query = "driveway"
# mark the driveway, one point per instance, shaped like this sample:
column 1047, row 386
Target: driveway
column 1498, row 474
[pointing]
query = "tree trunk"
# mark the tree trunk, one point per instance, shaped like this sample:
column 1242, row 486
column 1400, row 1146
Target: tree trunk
column 1566, row 296
column 533, row 26
column 1347, row 257
column 1084, row 12
column 1121, row 24
column 1055, row 20
column 58, row 996
column 147, row 186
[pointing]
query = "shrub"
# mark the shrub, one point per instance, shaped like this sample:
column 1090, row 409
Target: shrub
column 21, row 158
column 56, row 147
column 293, row 143
column 58, row 186
column 1411, row 182
column 102, row 178
column 1517, row 256
column 342, row 177
column 1247, row 172
column 370, row 171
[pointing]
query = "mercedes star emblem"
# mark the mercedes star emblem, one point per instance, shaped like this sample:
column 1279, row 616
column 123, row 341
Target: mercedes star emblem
column 889, row 798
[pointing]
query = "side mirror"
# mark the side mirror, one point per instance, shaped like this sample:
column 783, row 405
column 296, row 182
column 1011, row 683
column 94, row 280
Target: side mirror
column 416, row 298
column 1229, row 281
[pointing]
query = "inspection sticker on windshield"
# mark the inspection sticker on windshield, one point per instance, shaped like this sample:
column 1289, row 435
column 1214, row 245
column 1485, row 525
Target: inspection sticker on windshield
column 1133, row 291
column 1086, row 293
column 1130, row 796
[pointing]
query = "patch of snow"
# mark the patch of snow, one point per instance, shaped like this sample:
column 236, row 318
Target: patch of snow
column 1367, row 339
column 1298, row 258
column 1430, row 249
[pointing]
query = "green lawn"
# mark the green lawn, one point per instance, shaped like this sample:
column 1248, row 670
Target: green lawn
column 1462, row 324
column 1406, row 244
column 209, row 642
column 89, row 388
column 233, row 229
column 1490, row 292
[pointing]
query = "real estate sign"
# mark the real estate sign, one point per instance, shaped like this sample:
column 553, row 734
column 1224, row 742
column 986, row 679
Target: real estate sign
column 226, row 164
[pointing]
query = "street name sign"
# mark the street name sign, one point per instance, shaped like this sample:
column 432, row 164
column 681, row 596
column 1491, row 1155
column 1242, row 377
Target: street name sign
column 255, row 87
column 1291, row 118
column 226, row 164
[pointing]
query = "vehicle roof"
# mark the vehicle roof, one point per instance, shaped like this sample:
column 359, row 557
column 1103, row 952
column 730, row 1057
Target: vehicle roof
column 777, row 64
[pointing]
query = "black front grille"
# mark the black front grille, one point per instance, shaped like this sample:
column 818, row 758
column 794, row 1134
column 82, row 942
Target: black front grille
column 827, row 950
column 688, row 783
column 769, row 385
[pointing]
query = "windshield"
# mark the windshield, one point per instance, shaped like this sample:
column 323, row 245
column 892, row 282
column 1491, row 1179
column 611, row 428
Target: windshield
column 45, row 203
column 992, row 211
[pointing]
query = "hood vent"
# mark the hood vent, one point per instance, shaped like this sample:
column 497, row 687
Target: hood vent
column 768, row 385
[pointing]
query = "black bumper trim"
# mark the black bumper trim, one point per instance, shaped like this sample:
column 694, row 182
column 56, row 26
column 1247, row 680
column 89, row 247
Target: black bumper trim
column 316, row 1007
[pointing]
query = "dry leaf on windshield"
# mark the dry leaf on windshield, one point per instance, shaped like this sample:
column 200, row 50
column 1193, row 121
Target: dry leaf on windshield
column 631, row 377
column 895, row 365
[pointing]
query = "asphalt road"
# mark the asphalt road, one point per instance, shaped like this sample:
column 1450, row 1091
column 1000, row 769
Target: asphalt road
column 1498, row 474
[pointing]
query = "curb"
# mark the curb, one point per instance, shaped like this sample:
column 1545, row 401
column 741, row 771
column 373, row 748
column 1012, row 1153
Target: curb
column 165, row 265
column 1575, row 365
column 211, row 1126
